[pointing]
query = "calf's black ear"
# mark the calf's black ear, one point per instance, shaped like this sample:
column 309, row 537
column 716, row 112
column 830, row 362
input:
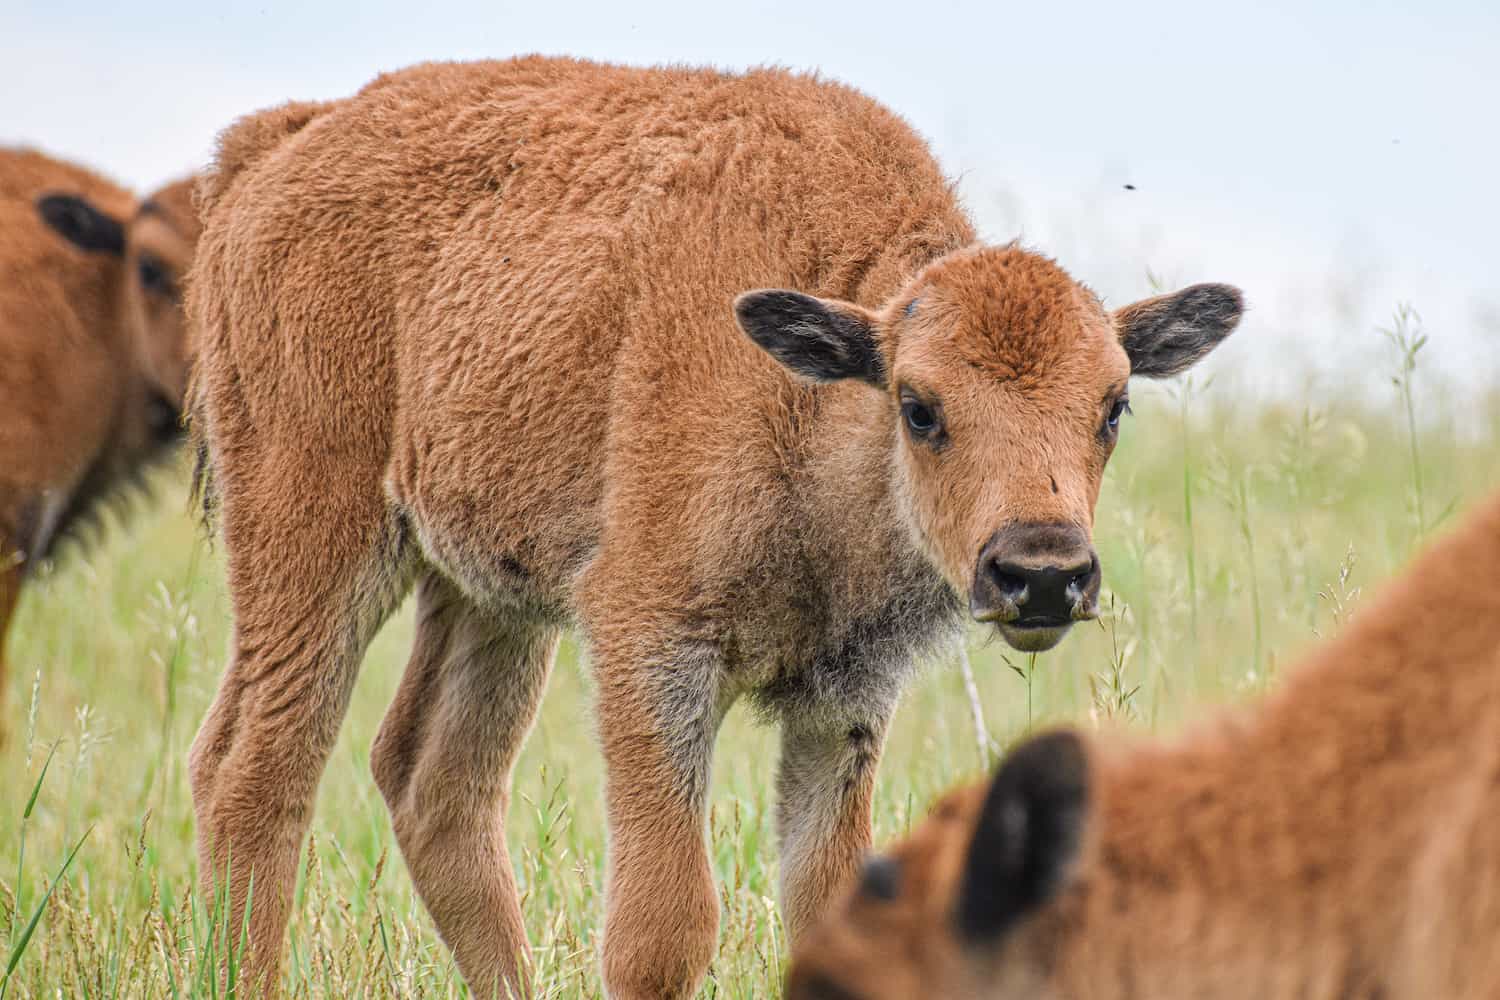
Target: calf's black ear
column 1028, row 836
column 821, row 339
column 1171, row 333
column 81, row 224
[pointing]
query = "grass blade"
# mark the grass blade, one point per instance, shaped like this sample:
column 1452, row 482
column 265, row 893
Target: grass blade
column 37, row 788
column 19, row 948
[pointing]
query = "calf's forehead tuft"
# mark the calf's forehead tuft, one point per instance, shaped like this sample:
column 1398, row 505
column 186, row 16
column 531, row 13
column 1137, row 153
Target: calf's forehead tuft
column 1009, row 312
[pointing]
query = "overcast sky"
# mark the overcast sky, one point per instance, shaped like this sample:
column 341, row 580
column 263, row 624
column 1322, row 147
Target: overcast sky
column 1334, row 159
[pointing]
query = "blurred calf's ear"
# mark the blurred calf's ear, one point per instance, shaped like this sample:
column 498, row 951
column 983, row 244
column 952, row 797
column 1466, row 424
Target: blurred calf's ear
column 1028, row 835
column 821, row 339
column 1171, row 333
column 81, row 224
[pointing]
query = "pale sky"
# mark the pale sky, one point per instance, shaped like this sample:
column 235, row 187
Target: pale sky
column 1333, row 159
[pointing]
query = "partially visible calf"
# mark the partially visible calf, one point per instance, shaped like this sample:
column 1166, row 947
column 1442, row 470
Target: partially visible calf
column 159, row 244
column 707, row 364
column 1336, row 841
column 93, row 348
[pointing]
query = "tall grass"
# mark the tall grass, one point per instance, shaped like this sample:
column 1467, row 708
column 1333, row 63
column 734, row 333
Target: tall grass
column 1230, row 535
column 1406, row 337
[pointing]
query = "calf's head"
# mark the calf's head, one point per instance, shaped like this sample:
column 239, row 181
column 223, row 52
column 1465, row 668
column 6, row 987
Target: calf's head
column 153, row 249
column 159, row 251
column 978, row 902
column 1005, row 384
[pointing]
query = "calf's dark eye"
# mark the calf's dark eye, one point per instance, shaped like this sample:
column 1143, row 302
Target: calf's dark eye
column 1119, row 409
column 919, row 417
column 881, row 878
column 154, row 277
column 821, row 987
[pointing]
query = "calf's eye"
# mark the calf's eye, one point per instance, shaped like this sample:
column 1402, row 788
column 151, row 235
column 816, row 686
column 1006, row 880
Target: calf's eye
column 821, row 987
column 918, row 417
column 154, row 277
column 1119, row 409
column 921, row 418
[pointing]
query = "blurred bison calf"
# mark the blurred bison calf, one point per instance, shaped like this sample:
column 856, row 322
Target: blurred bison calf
column 503, row 331
column 1337, row 841
column 93, row 353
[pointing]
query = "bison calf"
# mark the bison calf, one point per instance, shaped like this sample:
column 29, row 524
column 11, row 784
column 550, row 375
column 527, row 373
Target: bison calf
column 474, row 329
column 92, row 347
column 1337, row 841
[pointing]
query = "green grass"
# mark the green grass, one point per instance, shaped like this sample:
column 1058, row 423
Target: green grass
column 1231, row 535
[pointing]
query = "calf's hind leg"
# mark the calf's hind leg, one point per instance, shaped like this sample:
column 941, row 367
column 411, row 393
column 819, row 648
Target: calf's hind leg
column 310, row 584
column 443, row 762
column 10, row 592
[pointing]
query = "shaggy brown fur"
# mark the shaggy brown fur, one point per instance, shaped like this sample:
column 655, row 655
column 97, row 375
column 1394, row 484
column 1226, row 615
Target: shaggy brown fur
column 1336, row 841
column 92, row 361
column 475, row 327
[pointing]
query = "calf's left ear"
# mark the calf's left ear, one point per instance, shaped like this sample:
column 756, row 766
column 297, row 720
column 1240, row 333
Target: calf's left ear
column 81, row 224
column 1171, row 333
column 1028, row 836
column 821, row 339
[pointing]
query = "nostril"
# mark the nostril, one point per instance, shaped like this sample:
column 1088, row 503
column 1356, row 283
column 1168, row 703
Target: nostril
column 1082, row 587
column 1011, row 585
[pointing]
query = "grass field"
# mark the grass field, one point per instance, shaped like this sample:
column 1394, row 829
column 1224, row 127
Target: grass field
column 1231, row 533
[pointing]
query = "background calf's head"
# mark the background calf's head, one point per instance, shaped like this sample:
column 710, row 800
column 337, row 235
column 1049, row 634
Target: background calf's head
column 961, row 908
column 153, row 249
column 158, row 254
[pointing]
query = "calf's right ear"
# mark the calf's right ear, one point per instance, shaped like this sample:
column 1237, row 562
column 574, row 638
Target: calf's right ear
column 1028, row 836
column 821, row 339
column 1170, row 333
column 81, row 224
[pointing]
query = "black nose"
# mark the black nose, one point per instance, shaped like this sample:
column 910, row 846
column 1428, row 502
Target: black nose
column 1036, row 575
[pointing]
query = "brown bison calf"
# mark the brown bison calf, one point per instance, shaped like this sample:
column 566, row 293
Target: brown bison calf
column 476, row 328
column 92, row 347
column 1338, row 841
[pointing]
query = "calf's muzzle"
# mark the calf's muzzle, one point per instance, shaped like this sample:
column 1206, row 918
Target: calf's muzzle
column 1033, row 581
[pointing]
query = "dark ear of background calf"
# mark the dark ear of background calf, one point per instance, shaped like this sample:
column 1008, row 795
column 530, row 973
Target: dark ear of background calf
column 81, row 224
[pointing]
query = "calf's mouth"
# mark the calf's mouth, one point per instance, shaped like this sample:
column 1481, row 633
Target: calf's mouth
column 1033, row 635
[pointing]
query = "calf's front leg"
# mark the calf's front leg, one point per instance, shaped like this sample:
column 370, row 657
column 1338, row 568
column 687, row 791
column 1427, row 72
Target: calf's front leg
column 658, row 716
column 825, row 792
